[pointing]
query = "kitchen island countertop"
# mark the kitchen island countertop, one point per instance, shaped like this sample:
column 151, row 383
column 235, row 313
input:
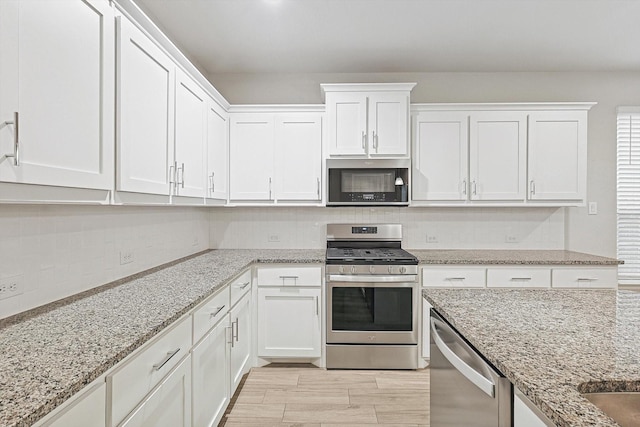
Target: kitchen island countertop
column 552, row 344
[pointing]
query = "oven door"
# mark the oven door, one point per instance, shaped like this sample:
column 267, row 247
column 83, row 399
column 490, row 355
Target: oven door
column 371, row 310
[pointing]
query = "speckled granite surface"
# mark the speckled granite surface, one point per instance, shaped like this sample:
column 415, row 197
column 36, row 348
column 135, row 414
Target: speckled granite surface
column 553, row 344
column 49, row 357
column 525, row 257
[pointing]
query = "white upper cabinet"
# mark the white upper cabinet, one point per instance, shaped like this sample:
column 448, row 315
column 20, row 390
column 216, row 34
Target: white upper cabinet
column 217, row 158
column 298, row 156
column 190, row 137
column 557, row 155
column 56, row 93
column 251, row 157
column 275, row 157
column 440, row 161
column 370, row 120
column 497, row 150
column 145, row 124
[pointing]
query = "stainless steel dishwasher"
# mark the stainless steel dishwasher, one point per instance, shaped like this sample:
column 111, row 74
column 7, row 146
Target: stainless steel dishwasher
column 465, row 389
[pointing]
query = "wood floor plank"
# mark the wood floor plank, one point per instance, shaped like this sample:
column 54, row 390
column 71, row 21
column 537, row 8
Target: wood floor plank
column 402, row 414
column 405, row 397
column 322, row 413
column 256, row 412
column 307, row 396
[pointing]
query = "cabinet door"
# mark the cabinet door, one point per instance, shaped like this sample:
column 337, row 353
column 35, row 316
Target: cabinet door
column 86, row 410
column 191, row 131
column 347, row 123
column 210, row 361
column 241, row 340
column 441, row 143
column 298, row 156
column 388, row 124
column 217, row 138
column 169, row 405
column 498, row 155
column 251, row 161
column 57, row 74
column 145, row 93
column 557, row 155
column 288, row 322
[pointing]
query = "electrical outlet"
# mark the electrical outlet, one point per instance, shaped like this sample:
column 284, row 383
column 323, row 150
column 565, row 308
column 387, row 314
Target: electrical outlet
column 510, row 238
column 126, row 257
column 432, row 239
column 11, row 286
column 593, row 208
column 274, row 238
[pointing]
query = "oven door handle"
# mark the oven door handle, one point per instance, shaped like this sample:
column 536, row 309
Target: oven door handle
column 371, row 279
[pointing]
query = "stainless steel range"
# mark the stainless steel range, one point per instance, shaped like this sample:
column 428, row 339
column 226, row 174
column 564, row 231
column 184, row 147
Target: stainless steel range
column 372, row 298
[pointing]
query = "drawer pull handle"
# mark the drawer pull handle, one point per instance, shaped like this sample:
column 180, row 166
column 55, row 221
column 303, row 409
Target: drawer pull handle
column 455, row 278
column 289, row 277
column 164, row 361
column 218, row 310
column 244, row 285
column 586, row 279
column 520, row 278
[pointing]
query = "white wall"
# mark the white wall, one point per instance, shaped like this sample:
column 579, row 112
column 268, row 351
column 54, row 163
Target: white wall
column 62, row 250
column 305, row 227
column 586, row 233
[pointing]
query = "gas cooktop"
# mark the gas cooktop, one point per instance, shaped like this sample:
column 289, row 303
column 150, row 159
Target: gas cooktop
column 351, row 255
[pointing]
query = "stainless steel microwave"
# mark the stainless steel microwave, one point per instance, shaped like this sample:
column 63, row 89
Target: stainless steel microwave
column 368, row 186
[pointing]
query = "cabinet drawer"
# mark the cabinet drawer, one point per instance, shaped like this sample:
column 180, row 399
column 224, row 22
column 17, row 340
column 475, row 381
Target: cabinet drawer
column 210, row 313
column 131, row 382
column 576, row 277
column 454, row 277
column 518, row 277
column 240, row 286
column 290, row 276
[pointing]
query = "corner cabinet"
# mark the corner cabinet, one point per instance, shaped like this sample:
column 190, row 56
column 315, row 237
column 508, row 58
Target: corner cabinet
column 56, row 97
column 368, row 120
column 500, row 154
column 284, row 160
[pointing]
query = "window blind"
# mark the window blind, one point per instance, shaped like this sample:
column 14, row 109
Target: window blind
column 628, row 194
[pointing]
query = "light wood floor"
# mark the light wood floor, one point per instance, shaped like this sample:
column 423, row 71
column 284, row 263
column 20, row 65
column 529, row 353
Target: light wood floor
column 312, row 397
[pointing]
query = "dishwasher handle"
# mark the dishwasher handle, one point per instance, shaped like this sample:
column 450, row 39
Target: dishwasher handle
column 484, row 384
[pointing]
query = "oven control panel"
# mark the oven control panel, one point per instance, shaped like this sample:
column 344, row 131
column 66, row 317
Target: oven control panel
column 364, row 269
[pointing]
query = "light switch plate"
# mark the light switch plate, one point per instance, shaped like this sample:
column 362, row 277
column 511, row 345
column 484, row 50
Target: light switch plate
column 593, row 208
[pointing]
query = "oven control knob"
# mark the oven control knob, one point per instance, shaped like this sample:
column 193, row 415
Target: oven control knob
column 372, row 269
column 341, row 269
column 403, row 270
column 353, row 269
column 390, row 269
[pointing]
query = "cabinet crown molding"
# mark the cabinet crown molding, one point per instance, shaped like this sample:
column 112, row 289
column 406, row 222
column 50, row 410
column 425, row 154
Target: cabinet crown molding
column 503, row 106
column 366, row 87
column 277, row 108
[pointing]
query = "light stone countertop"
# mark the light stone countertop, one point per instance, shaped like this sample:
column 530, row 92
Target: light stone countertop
column 509, row 257
column 553, row 344
column 51, row 353
column 50, row 356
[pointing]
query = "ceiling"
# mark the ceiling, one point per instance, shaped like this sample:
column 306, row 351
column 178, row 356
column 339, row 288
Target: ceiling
column 368, row 36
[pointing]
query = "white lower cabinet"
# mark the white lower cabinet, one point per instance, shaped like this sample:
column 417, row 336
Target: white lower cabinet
column 289, row 322
column 525, row 414
column 86, row 410
column 519, row 277
column 240, row 340
column 211, row 376
column 587, row 278
column 169, row 405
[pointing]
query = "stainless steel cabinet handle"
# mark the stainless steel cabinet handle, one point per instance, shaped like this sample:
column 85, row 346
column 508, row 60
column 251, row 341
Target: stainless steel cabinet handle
column 464, row 187
column 375, row 140
column 182, row 176
column 16, row 138
column 471, row 374
column 237, row 322
column 364, row 140
column 294, row 278
column 474, row 187
column 532, row 187
column 244, row 285
column 521, row 278
column 172, row 175
column 164, row 361
column 587, row 279
column 212, row 185
column 231, row 334
column 218, row 310
column 317, row 306
column 455, row 278
column 318, row 187
column 269, row 188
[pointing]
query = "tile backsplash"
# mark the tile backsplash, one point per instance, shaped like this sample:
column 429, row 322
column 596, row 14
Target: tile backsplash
column 56, row 251
column 423, row 228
